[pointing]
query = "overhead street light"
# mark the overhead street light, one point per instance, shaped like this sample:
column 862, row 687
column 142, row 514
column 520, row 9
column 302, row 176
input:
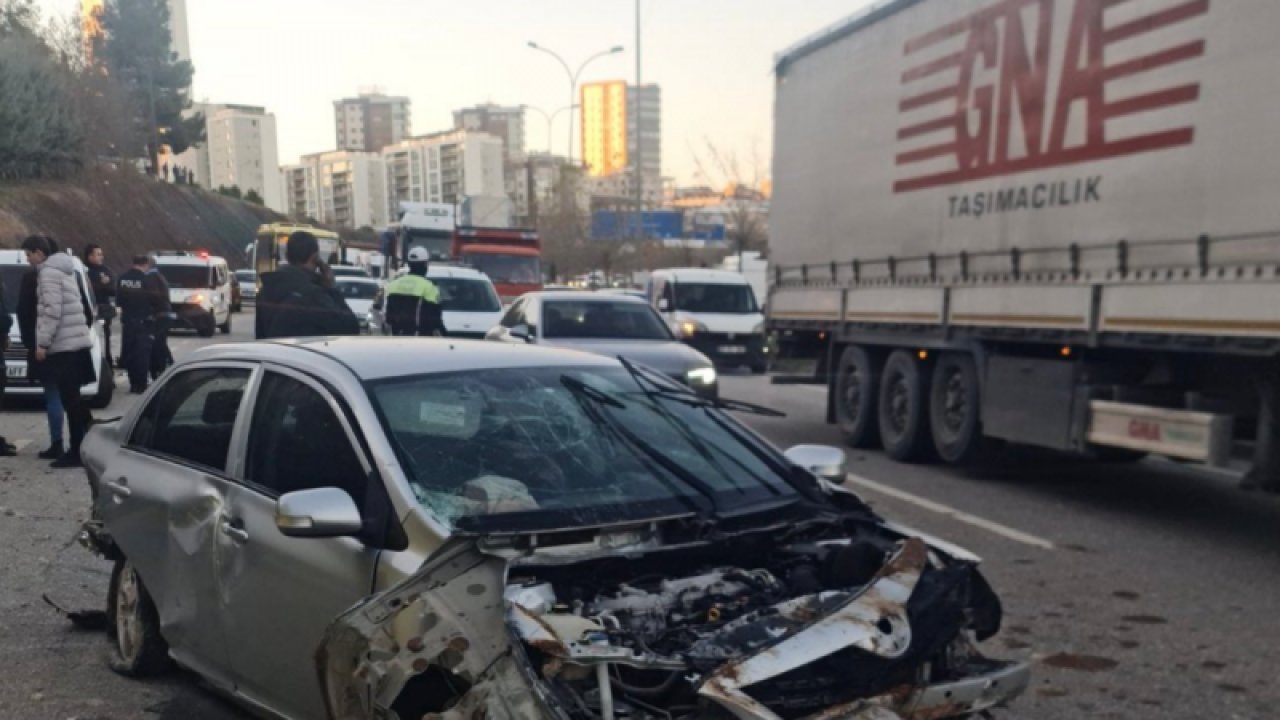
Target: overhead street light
column 550, row 118
column 573, row 78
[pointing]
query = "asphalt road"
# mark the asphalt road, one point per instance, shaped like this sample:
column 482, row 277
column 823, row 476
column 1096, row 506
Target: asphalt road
column 1139, row 591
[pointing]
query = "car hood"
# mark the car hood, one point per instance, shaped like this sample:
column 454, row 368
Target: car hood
column 360, row 307
column 874, row 625
column 471, row 322
column 736, row 324
column 666, row 356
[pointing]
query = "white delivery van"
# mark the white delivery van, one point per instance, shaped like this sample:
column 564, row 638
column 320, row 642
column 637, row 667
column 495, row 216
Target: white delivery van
column 199, row 290
column 13, row 265
column 715, row 312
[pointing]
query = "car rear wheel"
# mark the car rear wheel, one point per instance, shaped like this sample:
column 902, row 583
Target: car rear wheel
column 134, row 625
column 904, row 408
column 856, row 401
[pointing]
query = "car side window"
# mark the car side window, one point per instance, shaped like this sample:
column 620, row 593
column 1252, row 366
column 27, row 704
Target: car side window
column 193, row 416
column 297, row 442
column 532, row 316
column 514, row 313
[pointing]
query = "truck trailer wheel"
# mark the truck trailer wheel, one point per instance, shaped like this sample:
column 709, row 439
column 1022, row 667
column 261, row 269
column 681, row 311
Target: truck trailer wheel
column 904, row 407
column 857, row 387
column 954, row 409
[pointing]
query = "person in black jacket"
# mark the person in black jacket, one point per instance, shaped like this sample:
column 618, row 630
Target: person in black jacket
column 103, row 282
column 144, row 301
column 301, row 299
column 6, row 322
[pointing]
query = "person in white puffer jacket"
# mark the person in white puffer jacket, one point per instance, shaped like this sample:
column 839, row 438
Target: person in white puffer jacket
column 63, row 318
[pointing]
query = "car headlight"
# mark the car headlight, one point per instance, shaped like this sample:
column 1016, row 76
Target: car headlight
column 758, row 329
column 702, row 376
column 689, row 328
column 197, row 299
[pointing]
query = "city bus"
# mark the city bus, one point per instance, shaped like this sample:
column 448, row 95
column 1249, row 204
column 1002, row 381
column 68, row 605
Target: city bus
column 272, row 241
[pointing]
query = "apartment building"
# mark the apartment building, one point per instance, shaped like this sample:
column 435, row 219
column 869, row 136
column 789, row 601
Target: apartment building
column 240, row 150
column 446, row 167
column 371, row 121
column 614, row 134
column 340, row 188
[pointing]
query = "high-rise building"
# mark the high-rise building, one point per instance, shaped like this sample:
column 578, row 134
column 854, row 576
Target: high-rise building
column 342, row 188
column 240, row 150
column 610, row 131
column 447, row 167
column 506, row 124
column 371, row 121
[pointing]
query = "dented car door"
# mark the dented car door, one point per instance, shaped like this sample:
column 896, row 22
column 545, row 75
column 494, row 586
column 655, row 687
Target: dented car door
column 164, row 497
column 279, row 593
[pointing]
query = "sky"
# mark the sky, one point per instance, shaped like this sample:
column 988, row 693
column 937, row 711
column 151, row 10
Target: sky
column 713, row 59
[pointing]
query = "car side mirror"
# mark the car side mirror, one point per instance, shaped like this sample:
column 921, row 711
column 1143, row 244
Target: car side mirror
column 318, row 513
column 523, row 332
column 824, row 461
column 664, row 305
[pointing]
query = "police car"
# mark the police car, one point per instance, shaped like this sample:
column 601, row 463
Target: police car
column 13, row 265
column 199, row 290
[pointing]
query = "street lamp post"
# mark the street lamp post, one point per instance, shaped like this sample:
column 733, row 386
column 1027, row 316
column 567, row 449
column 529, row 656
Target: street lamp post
column 550, row 118
column 573, row 78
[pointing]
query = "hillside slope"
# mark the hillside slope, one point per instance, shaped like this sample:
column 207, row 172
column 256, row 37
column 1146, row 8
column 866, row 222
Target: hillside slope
column 128, row 214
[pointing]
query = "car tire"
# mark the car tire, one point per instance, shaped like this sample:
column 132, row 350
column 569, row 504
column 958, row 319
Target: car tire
column 904, row 408
column 955, row 416
column 225, row 328
column 759, row 368
column 207, row 328
column 857, row 397
column 138, row 649
column 106, row 386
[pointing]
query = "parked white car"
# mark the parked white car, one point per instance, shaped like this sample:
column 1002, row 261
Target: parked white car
column 13, row 265
column 199, row 290
column 361, row 294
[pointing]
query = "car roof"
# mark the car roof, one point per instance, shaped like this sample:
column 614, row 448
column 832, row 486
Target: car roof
column 375, row 358
column 454, row 271
column 586, row 296
column 703, row 275
column 190, row 260
column 356, row 279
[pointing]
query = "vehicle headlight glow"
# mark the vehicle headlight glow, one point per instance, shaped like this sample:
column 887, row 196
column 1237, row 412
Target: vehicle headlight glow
column 758, row 329
column 689, row 328
column 197, row 299
column 702, row 376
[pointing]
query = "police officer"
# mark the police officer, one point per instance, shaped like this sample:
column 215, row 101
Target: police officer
column 140, row 298
column 413, row 301
column 162, row 320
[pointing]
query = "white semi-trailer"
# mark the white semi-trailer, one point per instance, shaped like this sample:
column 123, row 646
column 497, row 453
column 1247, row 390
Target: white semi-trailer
column 1048, row 222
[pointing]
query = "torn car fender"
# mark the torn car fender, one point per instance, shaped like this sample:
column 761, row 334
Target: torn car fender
column 449, row 615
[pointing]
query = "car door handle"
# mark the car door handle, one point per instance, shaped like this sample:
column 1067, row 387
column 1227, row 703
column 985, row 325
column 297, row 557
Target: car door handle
column 232, row 529
column 119, row 489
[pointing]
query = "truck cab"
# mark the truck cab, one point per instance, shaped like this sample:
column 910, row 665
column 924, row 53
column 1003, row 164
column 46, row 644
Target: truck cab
column 715, row 312
column 511, row 258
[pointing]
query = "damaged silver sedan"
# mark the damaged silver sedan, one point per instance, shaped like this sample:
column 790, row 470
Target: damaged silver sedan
column 384, row 528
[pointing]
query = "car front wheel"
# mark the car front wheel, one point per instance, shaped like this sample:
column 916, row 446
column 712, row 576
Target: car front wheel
column 134, row 625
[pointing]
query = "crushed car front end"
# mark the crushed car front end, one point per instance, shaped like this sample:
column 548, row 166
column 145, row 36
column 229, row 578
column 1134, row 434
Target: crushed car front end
column 829, row 619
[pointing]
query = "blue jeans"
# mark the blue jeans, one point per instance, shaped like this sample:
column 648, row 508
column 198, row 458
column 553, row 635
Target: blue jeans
column 53, row 408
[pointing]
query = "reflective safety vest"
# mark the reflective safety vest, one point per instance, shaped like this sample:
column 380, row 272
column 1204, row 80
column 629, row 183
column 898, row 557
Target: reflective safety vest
column 414, row 286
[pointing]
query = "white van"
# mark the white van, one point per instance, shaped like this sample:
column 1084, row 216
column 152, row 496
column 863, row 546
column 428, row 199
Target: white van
column 715, row 312
column 468, row 299
column 199, row 290
column 13, row 265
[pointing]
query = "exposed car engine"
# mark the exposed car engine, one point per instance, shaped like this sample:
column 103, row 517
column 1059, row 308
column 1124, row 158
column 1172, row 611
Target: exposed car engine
column 625, row 639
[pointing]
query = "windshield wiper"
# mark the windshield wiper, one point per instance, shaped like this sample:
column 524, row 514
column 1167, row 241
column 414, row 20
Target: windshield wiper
column 586, row 392
column 656, row 389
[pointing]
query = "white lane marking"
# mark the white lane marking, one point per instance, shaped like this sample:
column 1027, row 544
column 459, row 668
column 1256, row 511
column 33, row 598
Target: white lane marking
column 959, row 515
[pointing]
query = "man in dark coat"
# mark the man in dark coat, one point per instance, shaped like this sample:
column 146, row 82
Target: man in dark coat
column 301, row 299
column 103, row 282
column 143, row 300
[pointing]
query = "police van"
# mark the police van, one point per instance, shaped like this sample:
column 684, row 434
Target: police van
column 199, row 290
column 13, row 266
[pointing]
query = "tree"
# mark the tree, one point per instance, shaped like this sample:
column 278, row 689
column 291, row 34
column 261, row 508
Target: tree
column 40, row 133
column 746, row 218
column 253, row 197
column 231, row 192
column 136, row 50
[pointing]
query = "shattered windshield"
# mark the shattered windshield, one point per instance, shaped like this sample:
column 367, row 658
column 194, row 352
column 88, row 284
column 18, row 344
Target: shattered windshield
column 539, row 440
